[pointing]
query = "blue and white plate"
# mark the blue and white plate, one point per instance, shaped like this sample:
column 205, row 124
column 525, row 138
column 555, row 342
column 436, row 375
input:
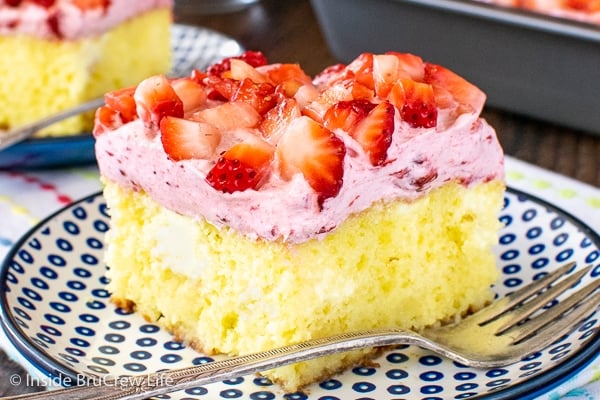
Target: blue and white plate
column 193, row 47
column 56, row 311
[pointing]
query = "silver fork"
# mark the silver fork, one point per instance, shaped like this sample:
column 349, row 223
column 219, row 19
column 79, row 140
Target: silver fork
column 502, row 333
column 16, row 135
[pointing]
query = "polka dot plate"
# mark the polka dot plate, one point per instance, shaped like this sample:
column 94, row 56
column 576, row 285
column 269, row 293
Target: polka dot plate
column 192, row 46
column 56, row 311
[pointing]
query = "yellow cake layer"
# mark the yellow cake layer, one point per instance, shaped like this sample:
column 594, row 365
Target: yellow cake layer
column 40, row 77
column 401, row 265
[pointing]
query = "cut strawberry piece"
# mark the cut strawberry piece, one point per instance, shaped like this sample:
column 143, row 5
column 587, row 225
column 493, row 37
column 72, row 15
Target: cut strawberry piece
column 239, row 70
column 467, row 95
column 374, row 132
column 278, row 118
column 122, row 101
column 346, row 114
column 288, row 88
column 253, row 58
column 588, row 6
column 306, row 94
column 261, row 96
column 391, row 67
column 241, row 167
column 410, row 64
column 229, row 116
column 386, row 72
column 184, row 139
column 419, row 109
column 280, row 73
column 340, row 91
column 361, row 91
column 362, row 70
column 106, row 119
column 198, row 76
column 192, row 94
column 359, row 71
column 91, row 4
column 155, row 99
column 308, row 148
column 220, row 88
column 396, row 95
column 330, row 75
column 42, row 3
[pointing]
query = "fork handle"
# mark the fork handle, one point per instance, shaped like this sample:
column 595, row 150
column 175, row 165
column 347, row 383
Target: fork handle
column 158, row 383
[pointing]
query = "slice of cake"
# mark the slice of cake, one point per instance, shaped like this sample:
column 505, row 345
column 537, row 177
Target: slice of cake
column 253, row 206
column 59, row 53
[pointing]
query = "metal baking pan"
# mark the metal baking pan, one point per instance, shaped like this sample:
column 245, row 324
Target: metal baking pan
column 528, row 63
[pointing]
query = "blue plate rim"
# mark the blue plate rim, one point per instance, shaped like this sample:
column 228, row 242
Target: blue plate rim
column 530, row 388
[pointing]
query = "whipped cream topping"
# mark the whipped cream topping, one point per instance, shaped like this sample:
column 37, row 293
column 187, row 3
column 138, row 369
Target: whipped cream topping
column 65, row 20
column 465, row 150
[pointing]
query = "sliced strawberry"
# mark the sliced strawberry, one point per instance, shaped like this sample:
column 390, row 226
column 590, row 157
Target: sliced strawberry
column 261, row 96
column 287, row 88
column 220, row 88
column 340, row 91
column 330, row 75
column 419, row 109
column 280, row 73
column 241, row 167
column 184, row 139
column 192, row 94
column 278, row 118
column 106, row 119
column 410, row 64
column 386, row 72
column 308, row 148
column 240, row 70
column 198, row 76
column 91, row 4
column 391, row 67
column 155, row 99
column 468, row 96
column 306, row 94
column 396, row 95
column 122, row 101
column 346, row 114
column 588, row 6
column 362, row 70
column 361, row 91
column 228, row 116
column 42, row 3
column 374, row 132
column 253, row 58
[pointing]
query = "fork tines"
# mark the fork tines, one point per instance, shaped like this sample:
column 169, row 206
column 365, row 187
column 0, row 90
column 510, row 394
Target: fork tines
column 520, row 305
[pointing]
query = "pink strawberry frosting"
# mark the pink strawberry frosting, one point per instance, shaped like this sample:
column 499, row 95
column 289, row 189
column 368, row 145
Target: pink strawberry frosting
column 419, row 159
column 65, row 20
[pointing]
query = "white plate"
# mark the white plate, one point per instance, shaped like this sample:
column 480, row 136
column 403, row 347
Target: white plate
column 56, row 311
column 193, row 47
